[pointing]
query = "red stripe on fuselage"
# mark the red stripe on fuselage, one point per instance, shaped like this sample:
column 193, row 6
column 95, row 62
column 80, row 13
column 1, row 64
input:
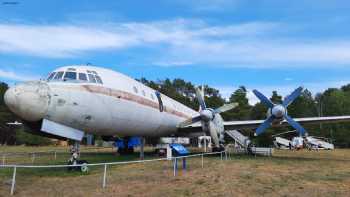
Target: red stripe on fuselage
column 131, row 97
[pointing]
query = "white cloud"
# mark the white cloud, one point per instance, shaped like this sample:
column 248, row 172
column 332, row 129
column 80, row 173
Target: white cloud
column 179, row 42
column 5, row 74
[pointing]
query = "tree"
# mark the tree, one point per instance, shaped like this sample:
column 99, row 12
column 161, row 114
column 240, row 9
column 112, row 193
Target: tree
column 275, row 98
column 7, row 134
column 303, row 106
column 242, row 111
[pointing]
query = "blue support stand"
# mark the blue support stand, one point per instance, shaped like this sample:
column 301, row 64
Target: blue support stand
column 184, row 163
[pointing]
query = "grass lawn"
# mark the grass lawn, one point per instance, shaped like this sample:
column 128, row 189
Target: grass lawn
column 299, row 173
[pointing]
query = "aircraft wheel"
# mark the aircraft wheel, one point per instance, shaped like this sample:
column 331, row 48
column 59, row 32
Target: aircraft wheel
column 84, row 168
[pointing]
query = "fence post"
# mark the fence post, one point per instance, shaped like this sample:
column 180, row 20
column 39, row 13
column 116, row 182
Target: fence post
column 221, row 156
column 225, row 155
column 202, row 160
column 3, row 159
column 33, row 157
column 175, row 166
column 55, row 155
column 104, row 176
column 13, row 180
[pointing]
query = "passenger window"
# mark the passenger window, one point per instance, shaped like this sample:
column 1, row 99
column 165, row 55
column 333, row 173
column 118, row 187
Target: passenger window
column 98, row 79
column 92, row 78
column 82, row 77
column 51, row 76
column 59, row 75
column 70, row 76
column 135, row 90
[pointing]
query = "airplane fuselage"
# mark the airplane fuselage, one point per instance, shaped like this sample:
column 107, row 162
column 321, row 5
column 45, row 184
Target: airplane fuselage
column 113, row 105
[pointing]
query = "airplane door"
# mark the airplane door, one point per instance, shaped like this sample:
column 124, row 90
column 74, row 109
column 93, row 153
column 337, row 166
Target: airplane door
column 159, row 97
column 166, row 124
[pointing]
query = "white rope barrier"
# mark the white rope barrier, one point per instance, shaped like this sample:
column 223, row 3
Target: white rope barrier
column 104, row 179
column 108, row 163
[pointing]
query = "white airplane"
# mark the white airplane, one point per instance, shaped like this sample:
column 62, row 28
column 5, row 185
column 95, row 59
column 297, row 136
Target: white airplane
column 300, row 142
column 78, row 99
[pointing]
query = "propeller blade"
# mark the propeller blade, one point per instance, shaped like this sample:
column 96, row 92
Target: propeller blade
column 200, row 98
column 263, row 99
column 295, row 94
column 266, row 124
column 295, row 125
column 190, row 121
column 213, row 134
column 226, row 107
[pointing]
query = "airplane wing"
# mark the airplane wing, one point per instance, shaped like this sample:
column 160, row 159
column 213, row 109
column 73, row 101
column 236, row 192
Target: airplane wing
column 252, row 124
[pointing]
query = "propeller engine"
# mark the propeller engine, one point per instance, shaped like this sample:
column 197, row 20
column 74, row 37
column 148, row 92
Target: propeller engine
column 278, row 112
column 211, row 120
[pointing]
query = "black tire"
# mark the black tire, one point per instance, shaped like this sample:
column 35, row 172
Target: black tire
column 83, row 168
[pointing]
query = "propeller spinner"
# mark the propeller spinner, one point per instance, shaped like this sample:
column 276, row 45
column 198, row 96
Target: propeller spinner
column 210, row 118
column 279, row 111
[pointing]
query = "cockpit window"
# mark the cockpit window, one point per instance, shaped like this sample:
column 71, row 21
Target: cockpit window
column 98, row 79
column 82, row 77
column 51, row 76
column 70, row 76
column 92, row 78
column 59, row 75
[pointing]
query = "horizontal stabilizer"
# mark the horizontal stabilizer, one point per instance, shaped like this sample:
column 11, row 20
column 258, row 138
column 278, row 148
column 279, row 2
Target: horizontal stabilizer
column 61, row 130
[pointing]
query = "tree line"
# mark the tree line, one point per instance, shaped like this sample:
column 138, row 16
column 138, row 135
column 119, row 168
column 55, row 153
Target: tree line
column 332, row 102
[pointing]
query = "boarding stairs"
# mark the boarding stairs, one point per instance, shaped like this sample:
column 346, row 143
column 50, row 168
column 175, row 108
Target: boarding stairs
column 282, row 143
column 245, row 145
column 239, row 138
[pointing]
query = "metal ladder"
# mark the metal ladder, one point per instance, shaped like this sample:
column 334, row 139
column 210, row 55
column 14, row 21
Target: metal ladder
column 239, row 138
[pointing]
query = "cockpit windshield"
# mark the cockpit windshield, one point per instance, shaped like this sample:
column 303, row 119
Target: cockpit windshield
column 74, row 75
column 58, row 76
column 82, row 77
column 92, row 78
column 51, row 76
column 70, row 76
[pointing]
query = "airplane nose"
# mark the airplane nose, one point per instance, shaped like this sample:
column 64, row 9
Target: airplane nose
column 29, row 100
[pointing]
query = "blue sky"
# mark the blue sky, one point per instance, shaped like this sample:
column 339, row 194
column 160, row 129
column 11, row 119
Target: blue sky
column 267, row 45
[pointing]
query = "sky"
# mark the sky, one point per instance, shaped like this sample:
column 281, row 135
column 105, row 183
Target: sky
column 263, row 44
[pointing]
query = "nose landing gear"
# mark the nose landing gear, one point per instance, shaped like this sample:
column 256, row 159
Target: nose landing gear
column 74, row 160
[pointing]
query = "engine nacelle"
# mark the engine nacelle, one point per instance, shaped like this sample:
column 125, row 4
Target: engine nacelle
column 217, row 126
